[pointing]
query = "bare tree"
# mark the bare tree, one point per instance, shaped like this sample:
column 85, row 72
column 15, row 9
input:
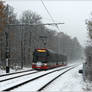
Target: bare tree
column 31, row 34
column 88, row 52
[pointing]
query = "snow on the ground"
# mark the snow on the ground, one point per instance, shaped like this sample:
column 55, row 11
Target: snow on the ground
column 70, row 81
column 13, row 70
column 13, row 82
column 36, row 84
column 2, row 72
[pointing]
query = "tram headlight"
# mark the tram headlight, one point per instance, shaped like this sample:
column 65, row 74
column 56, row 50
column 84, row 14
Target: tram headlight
column 33, row 63
column 45, row 64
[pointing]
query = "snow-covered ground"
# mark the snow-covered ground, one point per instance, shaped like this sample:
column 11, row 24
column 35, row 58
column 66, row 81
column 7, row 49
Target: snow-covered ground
column 37, row 84
column 70, row 81
column 11, row 70
column 13, row 82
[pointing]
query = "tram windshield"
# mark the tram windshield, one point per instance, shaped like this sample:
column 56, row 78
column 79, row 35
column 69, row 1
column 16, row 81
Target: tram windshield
column 40, row 56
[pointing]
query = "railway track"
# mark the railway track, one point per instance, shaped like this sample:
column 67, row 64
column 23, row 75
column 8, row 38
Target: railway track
column 48, row 83
column 15, row 73
column 17, row 76
column 30, row 79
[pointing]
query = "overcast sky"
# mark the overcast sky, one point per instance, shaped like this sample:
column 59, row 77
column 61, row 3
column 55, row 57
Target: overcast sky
column 72, row 13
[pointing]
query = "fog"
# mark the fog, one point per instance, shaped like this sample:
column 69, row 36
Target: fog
column 72, row 13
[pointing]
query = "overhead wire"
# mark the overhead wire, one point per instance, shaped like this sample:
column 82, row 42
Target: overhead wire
column 53, row 22
column 50, row 14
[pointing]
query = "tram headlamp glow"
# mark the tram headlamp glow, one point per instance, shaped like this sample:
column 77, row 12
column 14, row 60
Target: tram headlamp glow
column 45, row 64
column 33, row 63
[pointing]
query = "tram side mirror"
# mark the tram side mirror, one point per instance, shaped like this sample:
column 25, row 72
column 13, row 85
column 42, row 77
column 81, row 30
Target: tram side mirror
column 81, row 71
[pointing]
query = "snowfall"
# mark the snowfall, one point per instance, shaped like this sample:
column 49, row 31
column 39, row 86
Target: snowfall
column 70, row 81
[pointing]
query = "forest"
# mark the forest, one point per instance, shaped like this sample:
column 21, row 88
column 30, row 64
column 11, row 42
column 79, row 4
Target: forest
column 26, row 33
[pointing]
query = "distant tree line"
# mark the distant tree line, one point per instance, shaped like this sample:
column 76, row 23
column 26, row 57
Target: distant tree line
column 23, row 39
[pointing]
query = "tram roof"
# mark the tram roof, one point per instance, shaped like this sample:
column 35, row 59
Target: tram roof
column 51, row 51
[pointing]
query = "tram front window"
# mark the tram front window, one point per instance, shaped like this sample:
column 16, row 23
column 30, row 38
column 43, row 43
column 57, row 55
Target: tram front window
column 40, row 57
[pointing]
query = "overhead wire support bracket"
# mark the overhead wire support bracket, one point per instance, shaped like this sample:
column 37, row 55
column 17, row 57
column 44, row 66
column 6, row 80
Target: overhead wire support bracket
column 34, row 24
column 50, row 14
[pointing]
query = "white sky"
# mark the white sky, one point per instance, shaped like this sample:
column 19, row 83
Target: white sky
column 72, row 13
